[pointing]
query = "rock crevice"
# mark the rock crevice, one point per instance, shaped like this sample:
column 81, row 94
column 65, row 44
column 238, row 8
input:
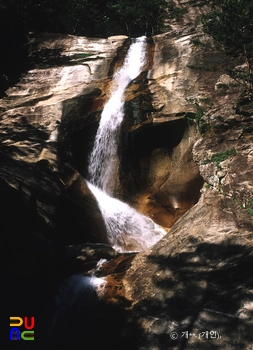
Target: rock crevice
column 185, row 160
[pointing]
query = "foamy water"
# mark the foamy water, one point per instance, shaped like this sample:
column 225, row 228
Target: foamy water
column 103, row 159
column 127, row 229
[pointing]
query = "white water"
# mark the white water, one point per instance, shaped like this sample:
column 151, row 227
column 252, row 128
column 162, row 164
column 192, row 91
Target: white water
column 127, row 229
column 103, row 159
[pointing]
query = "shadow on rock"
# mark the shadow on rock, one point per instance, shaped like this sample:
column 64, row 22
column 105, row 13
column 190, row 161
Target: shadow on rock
column 204, row 295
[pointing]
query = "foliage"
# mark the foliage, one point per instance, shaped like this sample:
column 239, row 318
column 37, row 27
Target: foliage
column 248, row 105
column 202, row 67
column 230, row 23
column 95, row 18
column 246, row 205
column 92, row 18
column 202, row 124
column 249, row 211
column 143, row 16
column 250, row 201
column 242, row 77
column 202, row 44
column 221, row 156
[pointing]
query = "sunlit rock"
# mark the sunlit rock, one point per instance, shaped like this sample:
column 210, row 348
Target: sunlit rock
column 185, row 151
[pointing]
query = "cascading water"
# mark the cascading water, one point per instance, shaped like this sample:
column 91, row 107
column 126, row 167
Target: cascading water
column 103, row 158
column 127, row 229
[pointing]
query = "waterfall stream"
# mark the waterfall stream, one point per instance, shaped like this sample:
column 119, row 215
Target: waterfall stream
column 127, row 229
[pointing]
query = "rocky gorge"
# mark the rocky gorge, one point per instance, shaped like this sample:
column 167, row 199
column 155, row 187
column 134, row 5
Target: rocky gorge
column 186, row 161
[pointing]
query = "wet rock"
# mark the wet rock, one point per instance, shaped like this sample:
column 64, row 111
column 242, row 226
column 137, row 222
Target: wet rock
column 186, row 151
column 66, row 75
column 196, row 280
column 83, row 258
column 158, row 173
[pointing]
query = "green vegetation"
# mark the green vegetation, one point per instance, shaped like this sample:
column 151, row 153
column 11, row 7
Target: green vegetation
column 204, row 45
column 91, row 18
column 250, row 201
column 223, row 86
column 202, row 124
column 248, row 106
column 81, row 55
column 249, row 211
column 95, row 18
column 217, row 158
column 247, row 206
column 202, row 67
column 230, row 24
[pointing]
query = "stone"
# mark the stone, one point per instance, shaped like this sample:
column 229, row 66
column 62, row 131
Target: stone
column 66, row 77
column 197, row 279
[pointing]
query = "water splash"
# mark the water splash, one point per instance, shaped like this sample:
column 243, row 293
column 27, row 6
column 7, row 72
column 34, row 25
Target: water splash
column 127, row 229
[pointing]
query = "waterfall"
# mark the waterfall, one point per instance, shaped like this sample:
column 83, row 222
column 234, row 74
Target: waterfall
column 103, row 159
column 127, row 229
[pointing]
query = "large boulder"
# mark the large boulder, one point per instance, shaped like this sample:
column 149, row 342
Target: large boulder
column 195, row 282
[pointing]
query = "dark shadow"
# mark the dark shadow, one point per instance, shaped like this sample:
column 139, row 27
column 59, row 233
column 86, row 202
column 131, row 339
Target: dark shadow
column 208, row 289
column 204, row 288
column 161, row 135
column 13, row 51
column 45, row 281
column 49, row 58
column 138, row 144
column 77, row 130
column 78, row 319
column 27, row 132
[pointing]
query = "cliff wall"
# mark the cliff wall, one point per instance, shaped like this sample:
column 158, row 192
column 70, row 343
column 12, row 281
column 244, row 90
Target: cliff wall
column 186, row 160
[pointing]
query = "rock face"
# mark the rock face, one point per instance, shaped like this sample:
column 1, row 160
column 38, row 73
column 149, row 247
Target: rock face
column 193, row 289
column 196, row 280
column 67, row 78
column 54, row 123
column 186, row 161
column 169, row 182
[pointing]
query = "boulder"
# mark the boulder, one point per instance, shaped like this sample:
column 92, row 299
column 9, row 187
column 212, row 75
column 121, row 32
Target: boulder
column 193, row 288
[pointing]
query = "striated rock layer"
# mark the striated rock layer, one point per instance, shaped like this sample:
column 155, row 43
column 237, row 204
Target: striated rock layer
column 68, row 82
column 186, row 160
